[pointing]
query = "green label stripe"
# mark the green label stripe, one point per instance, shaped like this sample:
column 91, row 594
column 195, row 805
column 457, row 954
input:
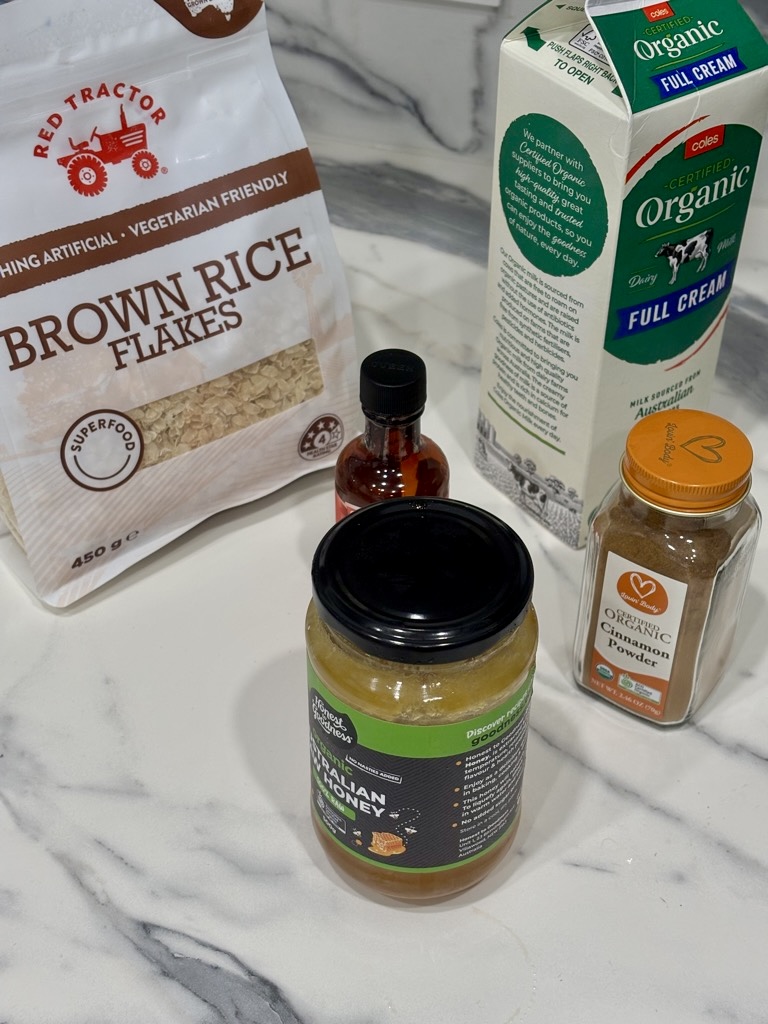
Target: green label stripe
column 333, row 800
column 522, row 426
column 427, row 741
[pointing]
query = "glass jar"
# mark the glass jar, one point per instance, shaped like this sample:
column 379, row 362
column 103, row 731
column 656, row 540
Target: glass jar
column 667, row 563
column 421, row 641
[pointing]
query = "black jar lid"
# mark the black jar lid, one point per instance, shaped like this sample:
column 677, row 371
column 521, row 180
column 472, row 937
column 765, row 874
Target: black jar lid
column 422, row 580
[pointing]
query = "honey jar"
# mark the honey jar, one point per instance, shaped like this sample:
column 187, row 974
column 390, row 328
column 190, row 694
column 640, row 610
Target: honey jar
column 421, row 640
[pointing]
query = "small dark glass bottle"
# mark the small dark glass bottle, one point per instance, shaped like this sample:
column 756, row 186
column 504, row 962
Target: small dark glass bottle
column 391, row 458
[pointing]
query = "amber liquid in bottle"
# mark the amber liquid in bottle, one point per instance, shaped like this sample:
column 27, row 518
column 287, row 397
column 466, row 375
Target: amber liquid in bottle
column 391, row 458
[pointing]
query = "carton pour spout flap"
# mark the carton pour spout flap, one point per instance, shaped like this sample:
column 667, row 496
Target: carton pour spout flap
column 665, row 50
column 659, row 51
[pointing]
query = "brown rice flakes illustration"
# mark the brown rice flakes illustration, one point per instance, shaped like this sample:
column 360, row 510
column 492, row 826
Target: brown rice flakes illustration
column 207, row 412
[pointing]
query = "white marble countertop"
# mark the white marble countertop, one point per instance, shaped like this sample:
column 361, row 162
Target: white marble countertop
column 157, row 863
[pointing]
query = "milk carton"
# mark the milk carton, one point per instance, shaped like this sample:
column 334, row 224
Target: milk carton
column 627, row 135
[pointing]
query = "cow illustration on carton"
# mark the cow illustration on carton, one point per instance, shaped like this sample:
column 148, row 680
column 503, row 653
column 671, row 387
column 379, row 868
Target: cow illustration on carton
column 696, row 248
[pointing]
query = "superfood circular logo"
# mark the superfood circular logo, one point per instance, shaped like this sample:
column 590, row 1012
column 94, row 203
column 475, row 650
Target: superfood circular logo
column 643, row 593
column 102, row 450
column 321, row 438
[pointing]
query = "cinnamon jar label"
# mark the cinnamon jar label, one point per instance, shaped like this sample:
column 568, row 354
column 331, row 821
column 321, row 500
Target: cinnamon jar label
column 638, row 625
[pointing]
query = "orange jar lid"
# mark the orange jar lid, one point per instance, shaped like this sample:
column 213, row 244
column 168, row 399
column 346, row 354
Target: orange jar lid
column 687, row 461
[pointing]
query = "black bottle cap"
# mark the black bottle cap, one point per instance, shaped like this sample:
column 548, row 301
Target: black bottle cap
column 422, row 580
column 393, row 383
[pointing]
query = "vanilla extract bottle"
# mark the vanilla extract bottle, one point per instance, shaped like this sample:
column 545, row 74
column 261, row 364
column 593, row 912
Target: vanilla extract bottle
column 391, row 458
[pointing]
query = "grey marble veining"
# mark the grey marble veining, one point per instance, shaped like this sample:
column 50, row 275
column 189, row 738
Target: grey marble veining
column 407, row 79
column 157, row 859
column 393, row 72
column 743, row 362
column 157, row 864
column 385, row 199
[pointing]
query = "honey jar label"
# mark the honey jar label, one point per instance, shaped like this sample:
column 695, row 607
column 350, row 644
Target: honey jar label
column 637, row 629
column 416, row 797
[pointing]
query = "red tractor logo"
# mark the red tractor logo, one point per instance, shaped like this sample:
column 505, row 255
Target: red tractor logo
column 86, row 166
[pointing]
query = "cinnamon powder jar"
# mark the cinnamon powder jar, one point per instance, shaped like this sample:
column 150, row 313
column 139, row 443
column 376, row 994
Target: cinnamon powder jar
column 667, row 564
